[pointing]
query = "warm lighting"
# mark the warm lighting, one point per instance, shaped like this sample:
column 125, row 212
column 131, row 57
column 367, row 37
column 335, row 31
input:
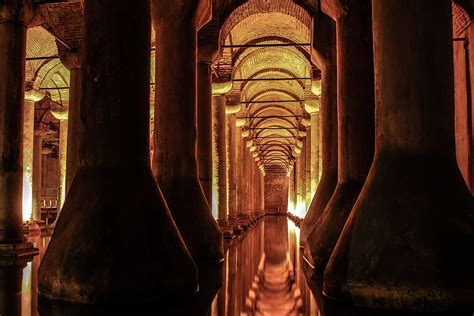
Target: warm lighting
column 27, row 197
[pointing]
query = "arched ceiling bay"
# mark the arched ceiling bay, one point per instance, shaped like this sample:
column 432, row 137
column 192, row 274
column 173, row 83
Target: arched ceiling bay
column 266, row 44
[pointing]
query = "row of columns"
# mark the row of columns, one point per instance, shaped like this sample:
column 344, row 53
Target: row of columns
column 112, row 181
column 397, row 230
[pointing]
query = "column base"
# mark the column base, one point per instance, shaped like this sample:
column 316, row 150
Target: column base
column 31, row 228
column 323, row 194
column 15, row 251
column 322, row 239
column 193, row 217
column 409, row 240
column 115, row 221
column 226, row 228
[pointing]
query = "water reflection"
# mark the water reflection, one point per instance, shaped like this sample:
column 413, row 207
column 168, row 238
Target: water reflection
column 261, row 275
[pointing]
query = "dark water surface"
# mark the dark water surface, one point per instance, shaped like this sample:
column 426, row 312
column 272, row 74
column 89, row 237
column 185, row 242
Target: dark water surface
column 261, row 275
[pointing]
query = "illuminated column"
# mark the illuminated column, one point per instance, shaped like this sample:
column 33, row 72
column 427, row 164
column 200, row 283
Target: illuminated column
column 61, row 114
column 231, row 165
column 325, row 47
column 204, row 129
column 175, row 163
column 313, row 109
column 238, row 168
column 37, row 164
column 308, row 150
column 72, row 61
column 30, row 157
column 238, row 173
column 262, row 193
column 414, row 204
column 220, row 157
column 14, row 16
column 356, row 129
column 114, row 192
column 300, row 178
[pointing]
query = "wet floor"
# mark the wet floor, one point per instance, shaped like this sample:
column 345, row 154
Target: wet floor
column 261, row 275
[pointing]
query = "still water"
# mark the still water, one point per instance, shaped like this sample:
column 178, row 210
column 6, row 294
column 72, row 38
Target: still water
column 261, row 275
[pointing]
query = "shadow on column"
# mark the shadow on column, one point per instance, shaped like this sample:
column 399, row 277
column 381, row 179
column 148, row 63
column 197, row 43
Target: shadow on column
column 115, row 222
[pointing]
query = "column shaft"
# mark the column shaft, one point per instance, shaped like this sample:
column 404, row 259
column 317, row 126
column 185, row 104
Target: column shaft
column 220, row 139
column 414, row 216
column 238, row 170
column 355, row 87
column 113, row 193
column 37, row 164
column 12, row 72
column 175, row 163
column 74, row 133
column 63, row 145
column 308, row 160
column 29, row 197
column 325, row 31
column 232, row 162
column 204, row 128
column 315, row 152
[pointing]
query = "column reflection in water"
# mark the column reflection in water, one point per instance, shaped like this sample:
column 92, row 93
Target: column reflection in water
column 262, row 274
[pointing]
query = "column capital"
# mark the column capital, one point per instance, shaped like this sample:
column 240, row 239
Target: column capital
column 312, row 106
column 33, row 95
column 178, row 11
column 70, row 59
column 60, row 113
column 221, row 88
column 20, row 12
column 336, row 8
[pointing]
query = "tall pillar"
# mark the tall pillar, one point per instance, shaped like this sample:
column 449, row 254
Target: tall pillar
column 14, row 16
column 175, row 163
column 231, row 143
column 356, row 129
column 61, row 114
column 308, row 149
column 72, row 61
column 204, row 128
column 63, row 127
column 409, row 241
column 31, row 157
column 114, row 207
column 220, row 160
column 238, row 170
column 315, row 151
column 325, row 48
column 37, row 164
column 300, row 183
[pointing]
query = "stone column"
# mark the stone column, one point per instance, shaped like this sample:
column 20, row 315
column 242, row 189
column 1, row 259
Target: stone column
column 63, row 127
column 356, row 129
column 414, row 217
column 31, row 158
column 114, row 194
column 14, row 16
column 325, row 48
column 204, row 128
column 314, row 164
column 300, row 179
column 220, row 158
column 238, row 178
column 37, row 164
column 175, row 163
column 308, row 148
column 72, row 60
column 61, row 114
column 232, row 166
